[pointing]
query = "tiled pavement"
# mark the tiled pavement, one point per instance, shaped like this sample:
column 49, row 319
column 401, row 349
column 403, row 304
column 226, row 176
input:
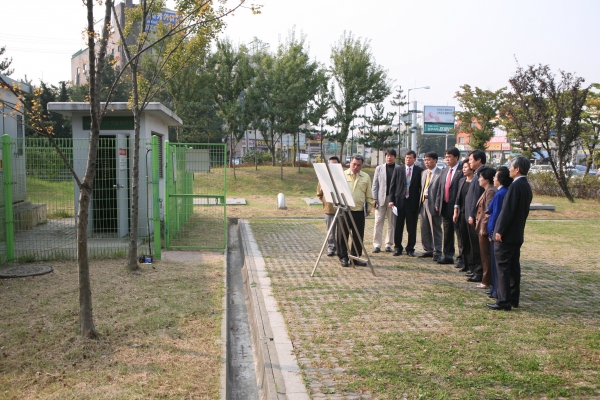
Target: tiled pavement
column 335, row 317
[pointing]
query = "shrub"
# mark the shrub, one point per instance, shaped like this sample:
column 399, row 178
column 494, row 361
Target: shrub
column 583, row 187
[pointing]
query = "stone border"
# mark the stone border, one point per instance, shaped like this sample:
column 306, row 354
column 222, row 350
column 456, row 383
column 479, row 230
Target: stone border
column 23, row 271
column 277, row 369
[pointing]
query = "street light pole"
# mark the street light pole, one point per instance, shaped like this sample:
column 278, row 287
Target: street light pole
column 414, row 118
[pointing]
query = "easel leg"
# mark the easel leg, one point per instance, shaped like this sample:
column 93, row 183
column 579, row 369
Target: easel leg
column 333, row 225
column 361, row 244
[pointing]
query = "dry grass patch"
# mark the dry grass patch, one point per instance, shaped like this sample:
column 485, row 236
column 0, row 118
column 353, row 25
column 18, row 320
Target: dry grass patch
column 160, row 333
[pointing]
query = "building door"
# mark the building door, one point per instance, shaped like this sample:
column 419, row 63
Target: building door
column 110, row 194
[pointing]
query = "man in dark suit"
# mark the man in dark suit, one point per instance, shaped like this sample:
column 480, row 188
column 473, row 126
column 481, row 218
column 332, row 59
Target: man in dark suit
column 509, row 232
column 405, row 189
column 477, row 160
column 447, row 191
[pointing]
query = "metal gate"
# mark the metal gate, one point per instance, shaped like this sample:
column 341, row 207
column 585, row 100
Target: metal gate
column 195, row 199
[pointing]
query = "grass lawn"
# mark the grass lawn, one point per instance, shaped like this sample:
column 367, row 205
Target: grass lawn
column 159, row 331
column 415, row 330
column 260, row 189
column 419, row 330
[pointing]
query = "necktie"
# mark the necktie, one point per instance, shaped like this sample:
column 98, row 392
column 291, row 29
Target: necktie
column 426, row 185
column 408, row 175
column 447, row 187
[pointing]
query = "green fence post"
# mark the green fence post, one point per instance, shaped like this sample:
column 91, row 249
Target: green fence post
column 168, row 189
column 8, row 198
column 155, row 199
column 224, row 195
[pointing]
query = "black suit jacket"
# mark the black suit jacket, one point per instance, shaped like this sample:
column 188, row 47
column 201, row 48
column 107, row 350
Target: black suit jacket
column 515, row 210
column 448, row 208
column 475, row 192
column 398, row 188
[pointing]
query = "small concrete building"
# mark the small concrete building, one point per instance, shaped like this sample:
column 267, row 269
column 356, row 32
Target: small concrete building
column 111, row 195
column 13, row 124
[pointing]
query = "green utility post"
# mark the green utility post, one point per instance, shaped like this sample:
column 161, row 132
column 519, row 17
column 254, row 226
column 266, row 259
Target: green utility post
column 155, row 199
column 8, row 198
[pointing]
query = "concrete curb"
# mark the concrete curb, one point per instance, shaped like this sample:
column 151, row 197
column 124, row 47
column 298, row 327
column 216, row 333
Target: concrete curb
column 277, row 370
column 224, row 369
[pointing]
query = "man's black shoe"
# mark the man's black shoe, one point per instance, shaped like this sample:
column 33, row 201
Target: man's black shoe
column 463, row 269
column 388, row 249
column 330, row 253
column 426, row 255
column 474, row 278
column 496, row 307
column 359, row 263
column 515, row 305
column 410, row 253
column 376, row 250
column 436, row 258
column 469, row 274
column 488, row 292
column 344, row 262
column 446, row 260
column 397, row 253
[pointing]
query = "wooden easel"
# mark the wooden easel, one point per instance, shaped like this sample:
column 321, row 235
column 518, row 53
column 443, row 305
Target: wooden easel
column 342, row 215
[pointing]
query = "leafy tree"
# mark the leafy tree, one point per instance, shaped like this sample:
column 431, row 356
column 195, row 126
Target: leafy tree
column 319, row 107
column 357, row 81
column 379, row 133
column 545, row 113
column 230, row 77
column 398, row 101
column 298, row 81
column 590, row 139
column 480, row 115
column 5, row 64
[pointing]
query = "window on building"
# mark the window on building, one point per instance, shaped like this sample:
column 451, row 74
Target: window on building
column 462, row 139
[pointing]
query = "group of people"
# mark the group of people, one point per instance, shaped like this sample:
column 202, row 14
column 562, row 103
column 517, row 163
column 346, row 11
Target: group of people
column 484, row 208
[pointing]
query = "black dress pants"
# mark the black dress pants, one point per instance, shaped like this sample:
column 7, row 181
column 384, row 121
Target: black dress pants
column 449, row 229
column 463, row 232
column 411, row 218
column 359, row 220
column 508, row 266
column 475, row 254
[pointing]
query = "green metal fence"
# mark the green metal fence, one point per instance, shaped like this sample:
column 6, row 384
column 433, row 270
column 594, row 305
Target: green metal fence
column 39, row 199
column 195, row 199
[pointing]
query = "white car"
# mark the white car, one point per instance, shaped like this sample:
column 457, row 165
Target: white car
column 536, row 169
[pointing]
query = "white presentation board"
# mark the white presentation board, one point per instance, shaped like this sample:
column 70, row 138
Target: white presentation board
column 337, row 172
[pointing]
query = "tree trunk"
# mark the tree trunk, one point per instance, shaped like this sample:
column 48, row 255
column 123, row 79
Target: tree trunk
column 86, row 319
column 135, row 180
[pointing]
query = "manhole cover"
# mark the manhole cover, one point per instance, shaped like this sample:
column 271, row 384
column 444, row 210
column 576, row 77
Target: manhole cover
column 25, row 270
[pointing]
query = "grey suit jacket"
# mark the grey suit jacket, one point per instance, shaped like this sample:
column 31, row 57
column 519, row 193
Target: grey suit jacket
column 432, row 191
column 379, row 183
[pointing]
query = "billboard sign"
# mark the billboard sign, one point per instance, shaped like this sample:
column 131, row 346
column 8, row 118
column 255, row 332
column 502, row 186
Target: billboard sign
column 438, row 119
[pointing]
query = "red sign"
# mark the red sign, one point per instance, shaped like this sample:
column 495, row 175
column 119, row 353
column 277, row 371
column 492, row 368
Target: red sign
column 122, row 152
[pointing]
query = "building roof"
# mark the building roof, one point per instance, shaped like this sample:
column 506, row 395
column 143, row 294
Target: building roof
column 117, row 109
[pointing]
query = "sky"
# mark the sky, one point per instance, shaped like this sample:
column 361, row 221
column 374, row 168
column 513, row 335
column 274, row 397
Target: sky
column 442, row 44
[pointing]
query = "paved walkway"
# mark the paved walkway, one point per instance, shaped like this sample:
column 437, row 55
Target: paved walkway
column 337, row 318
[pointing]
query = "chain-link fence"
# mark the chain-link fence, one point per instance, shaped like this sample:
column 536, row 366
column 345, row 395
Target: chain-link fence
column 40, row 200
column 195, row 209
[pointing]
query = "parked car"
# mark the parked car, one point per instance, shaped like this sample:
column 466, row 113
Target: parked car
column 582, row 169
column 536, row 169
column 441, row 165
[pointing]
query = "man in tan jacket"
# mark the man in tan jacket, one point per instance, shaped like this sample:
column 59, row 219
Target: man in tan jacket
column 329, row 214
